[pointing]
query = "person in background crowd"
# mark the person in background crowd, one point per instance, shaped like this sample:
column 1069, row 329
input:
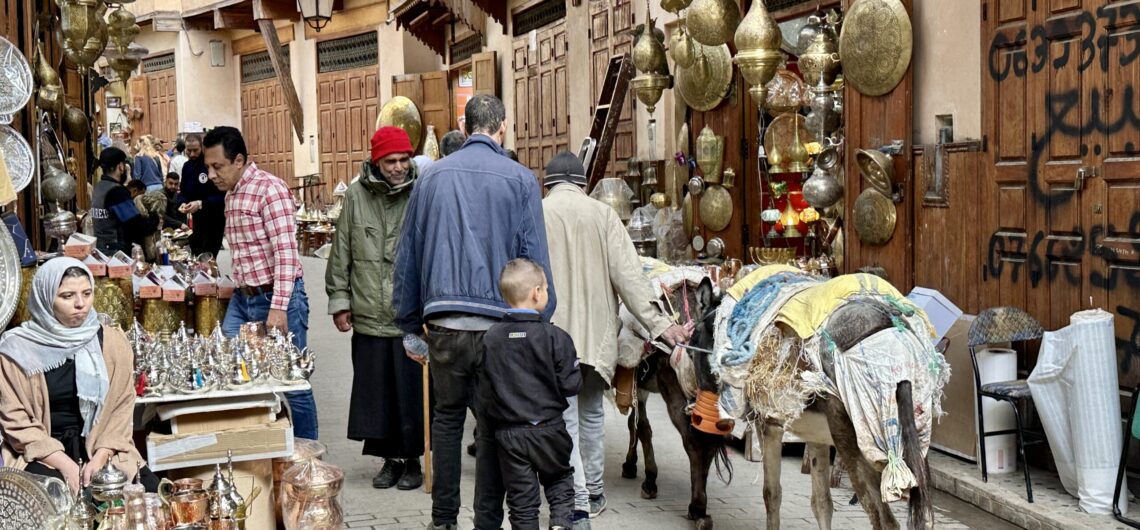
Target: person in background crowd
column 511, row 154
column 530, row 370
column 137, row 189
column 179, row 158
column 117, row 219
column 594, row 264
column 174, row 218
column 104, row 138
column 422, row 163
column 67, row 389
column 469, row 214
column 386, row 408
column 261, row 230
column 146, row 166
column 198, row 196
column 451, row 142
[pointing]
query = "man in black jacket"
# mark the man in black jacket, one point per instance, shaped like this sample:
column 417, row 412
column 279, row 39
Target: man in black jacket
column 530, row 368
column 118, row 222
column 202, row 199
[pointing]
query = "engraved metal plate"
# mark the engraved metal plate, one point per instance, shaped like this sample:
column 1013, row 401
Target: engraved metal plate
column 10, row 278
column 704, row 85
column 24, row 503
column 875, row 217
column 18, row 156
column 875, row 45
column 15, row 80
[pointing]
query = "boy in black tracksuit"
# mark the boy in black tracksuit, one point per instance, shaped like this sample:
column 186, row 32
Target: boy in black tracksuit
column 529, row 369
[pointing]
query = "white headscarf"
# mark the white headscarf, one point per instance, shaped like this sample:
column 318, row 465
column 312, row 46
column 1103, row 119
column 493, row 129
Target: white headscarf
column 44, row 343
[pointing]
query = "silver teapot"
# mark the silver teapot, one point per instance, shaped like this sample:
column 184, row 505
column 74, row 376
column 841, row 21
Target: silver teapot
column 108, row 482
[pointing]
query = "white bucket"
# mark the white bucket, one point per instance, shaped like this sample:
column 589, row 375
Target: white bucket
column 994, row 365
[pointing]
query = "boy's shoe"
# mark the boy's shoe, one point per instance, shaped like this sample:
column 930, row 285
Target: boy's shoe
column 597, row 505
column 471, row 449
column 389, row 474
column 580, row 520
column 449, row 526
column 413, row 476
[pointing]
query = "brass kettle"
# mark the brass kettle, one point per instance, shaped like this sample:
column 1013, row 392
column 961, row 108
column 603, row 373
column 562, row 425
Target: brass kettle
column 712, row 22
column 819, row 52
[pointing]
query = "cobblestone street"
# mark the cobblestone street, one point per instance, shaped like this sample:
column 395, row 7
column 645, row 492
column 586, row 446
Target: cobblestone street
column 735, row 506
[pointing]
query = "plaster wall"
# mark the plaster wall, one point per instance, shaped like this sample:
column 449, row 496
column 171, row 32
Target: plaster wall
column 947, row 63
column 204, row 91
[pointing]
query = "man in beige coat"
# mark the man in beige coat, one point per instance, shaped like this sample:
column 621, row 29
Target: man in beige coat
column 594, row 263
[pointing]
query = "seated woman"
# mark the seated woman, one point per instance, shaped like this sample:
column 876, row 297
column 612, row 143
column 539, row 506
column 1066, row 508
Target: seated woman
column 66, row 389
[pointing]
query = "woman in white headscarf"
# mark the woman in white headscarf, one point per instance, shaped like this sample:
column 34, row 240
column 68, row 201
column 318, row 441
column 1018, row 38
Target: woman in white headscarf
column 66, row 384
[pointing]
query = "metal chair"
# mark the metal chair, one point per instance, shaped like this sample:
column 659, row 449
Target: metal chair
column 996, row 326
column 1130, row 432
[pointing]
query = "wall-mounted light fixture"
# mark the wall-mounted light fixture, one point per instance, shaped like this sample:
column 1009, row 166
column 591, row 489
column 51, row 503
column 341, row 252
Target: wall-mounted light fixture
column 217, row 53
column 317, row 13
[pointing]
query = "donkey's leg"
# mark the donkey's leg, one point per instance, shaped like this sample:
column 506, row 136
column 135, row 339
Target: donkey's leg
column 772, row 444
column 819, row 457
column 696, row 446
column 629, row 467
column 645, row 434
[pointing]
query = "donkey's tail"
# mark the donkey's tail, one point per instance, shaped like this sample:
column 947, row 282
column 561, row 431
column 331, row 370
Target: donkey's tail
column 921, row 511
column 722, row 462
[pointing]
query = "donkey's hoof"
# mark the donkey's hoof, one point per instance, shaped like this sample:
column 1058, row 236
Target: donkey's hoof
column 628, row 470
column 648, row 491
column 704, row 523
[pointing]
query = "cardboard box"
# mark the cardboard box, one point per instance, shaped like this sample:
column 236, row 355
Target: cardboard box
column 205, row 285
column 173, row 451
column 148, row 286
column 226, row 288
column 120, row 265
column 79, row 246
column 174, row 290
column 212, row 415
column 247, row 475
column 941, row 311
column 956, row 432
column 96, row 263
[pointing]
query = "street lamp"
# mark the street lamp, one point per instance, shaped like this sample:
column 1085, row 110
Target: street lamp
column 316, row 13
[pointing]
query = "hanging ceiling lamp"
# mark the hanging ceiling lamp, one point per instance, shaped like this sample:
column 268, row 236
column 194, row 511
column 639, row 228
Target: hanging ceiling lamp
column 317, row 13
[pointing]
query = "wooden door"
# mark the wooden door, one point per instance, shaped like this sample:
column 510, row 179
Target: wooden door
column 611, row 33
column 436, row 106
column 265, row 123
column 522, row 101
column 137, row 88
column 484, row 74
column 542, row 87
column 347, row 106
column 1114, row 225
column 162, row 90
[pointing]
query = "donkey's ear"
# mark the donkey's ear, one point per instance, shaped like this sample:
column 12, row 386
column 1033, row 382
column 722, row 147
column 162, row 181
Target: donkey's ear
column 704, row 295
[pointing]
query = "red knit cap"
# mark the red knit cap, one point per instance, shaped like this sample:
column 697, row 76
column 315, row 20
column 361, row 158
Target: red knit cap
column 388, row 140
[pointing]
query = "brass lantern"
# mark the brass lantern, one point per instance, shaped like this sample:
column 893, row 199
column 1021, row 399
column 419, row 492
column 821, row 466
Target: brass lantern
column 649, row 58
column 758, row 50
column 317, row 13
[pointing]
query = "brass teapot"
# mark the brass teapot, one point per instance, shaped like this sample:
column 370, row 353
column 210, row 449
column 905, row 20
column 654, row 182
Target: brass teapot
column 819, row 51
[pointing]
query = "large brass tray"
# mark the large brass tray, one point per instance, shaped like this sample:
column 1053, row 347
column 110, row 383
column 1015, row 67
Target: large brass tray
column 716, row 208
column 875, row 45
column 704, row 85
column 875, row 217
column 403, row 113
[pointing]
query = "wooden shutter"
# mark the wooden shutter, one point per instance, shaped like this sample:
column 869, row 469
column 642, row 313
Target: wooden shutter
column 484, row 73
column 140, row 100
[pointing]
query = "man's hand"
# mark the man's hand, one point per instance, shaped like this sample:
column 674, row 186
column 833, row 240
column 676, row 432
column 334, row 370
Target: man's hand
column 676, row 334
column 184, row 227
column 97, row 462
column 277, row 320
column 190, row 207
column 343, row 321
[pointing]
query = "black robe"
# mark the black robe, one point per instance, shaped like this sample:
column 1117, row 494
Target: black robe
column 386, row 409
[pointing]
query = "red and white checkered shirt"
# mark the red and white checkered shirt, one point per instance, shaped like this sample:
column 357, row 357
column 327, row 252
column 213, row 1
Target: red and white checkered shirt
column 262, row 233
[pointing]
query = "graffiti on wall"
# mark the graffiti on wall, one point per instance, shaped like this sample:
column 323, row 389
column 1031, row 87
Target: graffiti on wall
column 1090, row 40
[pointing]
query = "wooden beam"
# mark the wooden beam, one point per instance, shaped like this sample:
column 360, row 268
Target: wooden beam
column 170, row 21
column 255, row 43
column 234, row 19
column 276, row 9
column 351, row 22
column 281, row 67
column 203, row 22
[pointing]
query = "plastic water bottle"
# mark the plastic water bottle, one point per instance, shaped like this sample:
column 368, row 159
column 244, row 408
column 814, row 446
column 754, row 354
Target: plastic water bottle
column 415, row 345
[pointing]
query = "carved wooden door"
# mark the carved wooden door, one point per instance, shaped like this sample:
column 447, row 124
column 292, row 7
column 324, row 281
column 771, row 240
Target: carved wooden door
column 266, row 127
column 521, row 124
column 162, row 89
column 611, row 33
column 542, row 88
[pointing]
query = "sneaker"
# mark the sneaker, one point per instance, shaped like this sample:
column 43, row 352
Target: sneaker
column 580, row 520
column 446, row 526
column 597, row 505
column 389, row 474
column 413, row 476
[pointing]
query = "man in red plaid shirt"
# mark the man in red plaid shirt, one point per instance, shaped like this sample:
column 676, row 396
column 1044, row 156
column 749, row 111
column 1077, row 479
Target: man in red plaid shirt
column 261, row 231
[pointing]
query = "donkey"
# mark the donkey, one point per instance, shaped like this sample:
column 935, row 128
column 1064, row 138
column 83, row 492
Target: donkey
column 823, row 424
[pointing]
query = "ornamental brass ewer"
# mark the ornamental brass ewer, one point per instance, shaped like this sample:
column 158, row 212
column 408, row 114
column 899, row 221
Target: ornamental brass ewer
column 819, row 52
column 758, row 50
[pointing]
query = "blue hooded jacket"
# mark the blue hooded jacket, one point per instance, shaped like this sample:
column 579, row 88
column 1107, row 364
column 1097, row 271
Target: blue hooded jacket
column 469, row 214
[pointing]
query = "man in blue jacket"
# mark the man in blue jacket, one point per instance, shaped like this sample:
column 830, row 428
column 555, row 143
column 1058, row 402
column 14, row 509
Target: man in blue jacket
column 469, row 215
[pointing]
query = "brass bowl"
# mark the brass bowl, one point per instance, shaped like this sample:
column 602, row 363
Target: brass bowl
column 649, row 87
column 716, row 208
column 877, row 168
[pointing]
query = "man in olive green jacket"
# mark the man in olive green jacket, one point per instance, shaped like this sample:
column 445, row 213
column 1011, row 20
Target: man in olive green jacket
column 386, row 408
column 594, row 262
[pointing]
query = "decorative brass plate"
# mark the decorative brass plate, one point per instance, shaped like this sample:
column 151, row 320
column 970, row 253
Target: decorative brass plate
column 716, row 208
column 877, row 168
column 875, row 45
column 778, row 136
column 875, row 217
column 402, row 112
column 706, row 83
column 24, row 502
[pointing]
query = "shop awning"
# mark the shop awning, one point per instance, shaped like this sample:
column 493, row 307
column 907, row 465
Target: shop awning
column 427, row 20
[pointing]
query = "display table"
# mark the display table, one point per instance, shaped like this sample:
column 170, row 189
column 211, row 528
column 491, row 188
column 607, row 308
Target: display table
column 251, row 390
